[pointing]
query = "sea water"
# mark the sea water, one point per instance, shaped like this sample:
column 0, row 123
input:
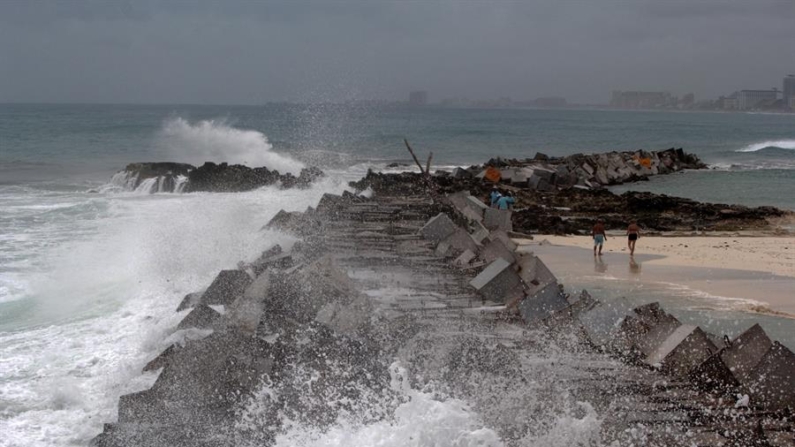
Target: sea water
column 90, row 273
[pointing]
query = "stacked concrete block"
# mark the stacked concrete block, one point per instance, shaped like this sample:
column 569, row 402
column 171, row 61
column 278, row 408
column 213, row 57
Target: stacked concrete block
column 495, row 219
column 602, row 325
column 745, row 352
column 461, row 241
column 479, row 232
column 465, row 258
column 534, row 273
column 226, row 288
column 771, row 384
column 438, row 228
column 496, row 281
column 682, row 351
column 201, row 317
column 496, row 249
column 542, row 304
column 470, row 207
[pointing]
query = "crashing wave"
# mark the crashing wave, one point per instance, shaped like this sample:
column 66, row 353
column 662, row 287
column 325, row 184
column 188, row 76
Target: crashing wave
column 773, row 144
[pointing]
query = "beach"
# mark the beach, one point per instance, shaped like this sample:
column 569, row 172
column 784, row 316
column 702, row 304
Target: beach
column 749, row 275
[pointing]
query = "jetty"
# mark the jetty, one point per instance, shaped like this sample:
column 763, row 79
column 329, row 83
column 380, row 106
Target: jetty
column 434, row 281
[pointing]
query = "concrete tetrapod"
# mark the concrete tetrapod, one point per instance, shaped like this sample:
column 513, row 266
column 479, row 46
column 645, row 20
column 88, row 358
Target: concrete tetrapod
column 682, row 351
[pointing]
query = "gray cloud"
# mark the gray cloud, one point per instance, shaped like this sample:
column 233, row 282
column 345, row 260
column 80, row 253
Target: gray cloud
column 253, row 52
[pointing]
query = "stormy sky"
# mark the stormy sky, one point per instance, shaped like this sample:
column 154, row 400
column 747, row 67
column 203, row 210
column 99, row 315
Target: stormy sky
column 238, row 52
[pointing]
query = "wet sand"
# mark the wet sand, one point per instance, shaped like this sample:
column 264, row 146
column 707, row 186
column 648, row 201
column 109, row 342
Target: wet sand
column 755, row 274
column 724, row 300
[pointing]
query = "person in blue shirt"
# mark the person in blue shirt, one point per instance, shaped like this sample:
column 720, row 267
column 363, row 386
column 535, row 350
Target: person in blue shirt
column 506, row 202
column 495, row 196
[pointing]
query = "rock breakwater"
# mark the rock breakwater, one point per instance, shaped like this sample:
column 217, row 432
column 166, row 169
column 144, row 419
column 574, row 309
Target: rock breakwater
column 309, row 334
column 150, row 178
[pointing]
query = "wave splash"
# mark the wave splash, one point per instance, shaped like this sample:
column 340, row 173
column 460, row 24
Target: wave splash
column 773, row 144
column 217, row 141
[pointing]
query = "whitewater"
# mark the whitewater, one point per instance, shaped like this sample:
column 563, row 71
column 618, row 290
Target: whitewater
column 90, row 271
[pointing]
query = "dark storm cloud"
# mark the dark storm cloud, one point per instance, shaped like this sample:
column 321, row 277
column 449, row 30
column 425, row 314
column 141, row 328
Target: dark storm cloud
column 252, row 52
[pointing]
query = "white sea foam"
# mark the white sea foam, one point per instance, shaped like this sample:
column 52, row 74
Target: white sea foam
column 783, row 144
column 217, row 141
column 98, row 297
column 421, row 420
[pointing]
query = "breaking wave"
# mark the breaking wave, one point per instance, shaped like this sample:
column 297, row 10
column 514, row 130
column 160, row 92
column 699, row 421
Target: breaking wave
column 777, row 144
column 217, row 141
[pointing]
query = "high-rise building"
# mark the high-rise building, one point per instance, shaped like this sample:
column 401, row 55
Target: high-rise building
column 418, row 98
column 755, row 99
column 789, row 92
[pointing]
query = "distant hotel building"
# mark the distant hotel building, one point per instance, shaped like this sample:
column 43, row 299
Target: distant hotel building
column 755, row 99
column 789, row 92
column 640, row 100
column 418, row 98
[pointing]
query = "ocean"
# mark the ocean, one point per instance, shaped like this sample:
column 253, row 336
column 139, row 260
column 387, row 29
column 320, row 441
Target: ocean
column 90, row 273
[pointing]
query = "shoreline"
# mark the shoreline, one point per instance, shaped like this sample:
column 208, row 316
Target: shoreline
column 750, row 274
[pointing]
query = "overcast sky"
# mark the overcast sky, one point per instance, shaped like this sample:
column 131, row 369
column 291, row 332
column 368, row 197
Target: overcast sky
column 225, row 52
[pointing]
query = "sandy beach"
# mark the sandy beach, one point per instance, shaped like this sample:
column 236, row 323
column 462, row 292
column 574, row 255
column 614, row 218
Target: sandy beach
column 751, row 275
column 774, row 255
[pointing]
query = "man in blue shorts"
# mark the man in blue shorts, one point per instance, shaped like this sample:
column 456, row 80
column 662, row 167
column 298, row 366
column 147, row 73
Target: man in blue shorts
column 599, row 236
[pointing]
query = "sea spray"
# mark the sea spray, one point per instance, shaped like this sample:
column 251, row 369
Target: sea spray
column 217, row 141
column 102, row 277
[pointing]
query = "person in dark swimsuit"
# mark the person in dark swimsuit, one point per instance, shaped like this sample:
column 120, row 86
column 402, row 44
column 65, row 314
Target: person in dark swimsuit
column 633, row 234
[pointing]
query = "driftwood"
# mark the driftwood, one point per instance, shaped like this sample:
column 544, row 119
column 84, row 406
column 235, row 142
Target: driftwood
column 414, row 156
column 428, row 165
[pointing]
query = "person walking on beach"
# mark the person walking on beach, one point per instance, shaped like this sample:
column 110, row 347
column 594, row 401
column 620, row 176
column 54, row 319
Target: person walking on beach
column 506, row 202
column 599, row 236
column 494, row 196
column 633, row 234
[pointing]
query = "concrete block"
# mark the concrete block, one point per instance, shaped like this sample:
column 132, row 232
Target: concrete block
column 771, row 384
column 465, row 259
column 656, row 335
column 140, row 406
column 461, row 201
column 479, row 232
column 496, row 280
column 504, row 238
column 226, row 288
column 461, row 173
column 280, row 261
column 682, row 351
column 602, row 322
column 713, row 375
column 461, row 241
column 438, row 228
column 189, row 301
column 246, row 312
column 495, row 219
column 162, row 359
column 495, row 249
column 442, row 249
column 541, row 304
column 745, row 352
column 588, row 168
column 201, row 317
column 535, row 274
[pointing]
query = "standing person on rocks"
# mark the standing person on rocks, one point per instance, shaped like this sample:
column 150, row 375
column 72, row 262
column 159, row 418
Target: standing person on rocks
column 506, row 202
column 599, row 236
column 494, row 196
column 633, row 234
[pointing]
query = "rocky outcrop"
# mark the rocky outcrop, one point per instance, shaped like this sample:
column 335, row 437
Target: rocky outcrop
column 555, row 202
column 150, row 178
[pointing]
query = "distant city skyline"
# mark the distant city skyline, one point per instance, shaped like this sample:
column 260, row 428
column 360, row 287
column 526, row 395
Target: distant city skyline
column 241, row 52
